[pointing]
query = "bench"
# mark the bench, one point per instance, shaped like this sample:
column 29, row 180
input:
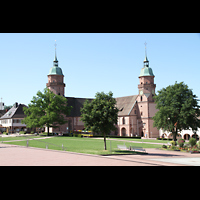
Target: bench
column 137, row 149
column 122, row 147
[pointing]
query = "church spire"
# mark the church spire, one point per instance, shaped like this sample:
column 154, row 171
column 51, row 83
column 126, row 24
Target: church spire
column 55, row 62
column 146, row 61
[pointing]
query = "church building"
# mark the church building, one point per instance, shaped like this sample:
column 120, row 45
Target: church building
column 136, row 111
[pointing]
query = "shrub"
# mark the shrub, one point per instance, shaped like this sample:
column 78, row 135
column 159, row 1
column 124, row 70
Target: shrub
column 198, row 143
column 22, row 132
column 181, row 142
column 173, row 148
column 192, row 141
column 164, row 146
column 77, row 135
column 173, row 143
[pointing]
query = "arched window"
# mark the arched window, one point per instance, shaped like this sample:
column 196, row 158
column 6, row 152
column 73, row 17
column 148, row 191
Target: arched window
column 123, row 120
column 141, row 98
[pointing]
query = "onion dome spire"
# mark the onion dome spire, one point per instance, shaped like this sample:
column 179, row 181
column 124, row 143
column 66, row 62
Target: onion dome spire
column 55, row 70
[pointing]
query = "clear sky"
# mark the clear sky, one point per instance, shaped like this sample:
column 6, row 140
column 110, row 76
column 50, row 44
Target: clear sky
column 95, row 62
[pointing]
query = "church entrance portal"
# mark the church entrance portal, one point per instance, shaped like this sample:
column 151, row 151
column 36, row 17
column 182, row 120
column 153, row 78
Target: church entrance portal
column 123, row 131
column 142, row 134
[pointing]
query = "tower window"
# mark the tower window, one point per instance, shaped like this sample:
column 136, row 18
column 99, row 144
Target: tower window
column 141, row 98
column 135, row 112
column 141, row 113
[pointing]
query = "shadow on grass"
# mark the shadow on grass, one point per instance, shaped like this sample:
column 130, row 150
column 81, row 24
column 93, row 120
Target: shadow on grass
column 123, row 152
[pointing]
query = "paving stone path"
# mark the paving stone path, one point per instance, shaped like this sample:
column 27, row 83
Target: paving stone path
column 13, row 155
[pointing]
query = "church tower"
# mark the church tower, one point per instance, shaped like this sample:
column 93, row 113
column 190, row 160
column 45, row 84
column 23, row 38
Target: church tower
column 146, row 86
column 145, row 101
column 55, row 78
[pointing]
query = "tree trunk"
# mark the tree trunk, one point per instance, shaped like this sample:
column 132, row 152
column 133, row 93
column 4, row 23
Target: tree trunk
column 48, row 130
column 174, row 136
column 104, row 141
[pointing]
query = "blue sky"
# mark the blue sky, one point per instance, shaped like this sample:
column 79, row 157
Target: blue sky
column 95, row 62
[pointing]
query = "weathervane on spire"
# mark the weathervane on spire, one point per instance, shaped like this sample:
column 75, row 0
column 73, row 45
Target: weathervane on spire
column 55, row 53
column 55, row 44
column 146, row 60
column 145, row 44
column 145, row 48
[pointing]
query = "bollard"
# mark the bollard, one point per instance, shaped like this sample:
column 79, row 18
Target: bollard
column 46, row 146
column 62, row 147
column 26, row 143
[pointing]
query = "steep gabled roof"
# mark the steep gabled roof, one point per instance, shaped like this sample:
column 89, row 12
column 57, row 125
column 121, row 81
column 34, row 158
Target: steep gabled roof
column 77, row 104
column 125, row 104
column 15, row 112
column 2, row 112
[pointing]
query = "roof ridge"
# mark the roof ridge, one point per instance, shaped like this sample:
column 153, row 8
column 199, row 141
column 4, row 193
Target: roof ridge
column 126, row 96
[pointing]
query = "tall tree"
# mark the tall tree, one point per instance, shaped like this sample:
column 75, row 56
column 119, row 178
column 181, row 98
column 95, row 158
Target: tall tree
column 178, row 109
column 46, row 109
column 101, row 114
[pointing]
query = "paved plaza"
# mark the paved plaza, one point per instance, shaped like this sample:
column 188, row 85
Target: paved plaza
column 13, row 155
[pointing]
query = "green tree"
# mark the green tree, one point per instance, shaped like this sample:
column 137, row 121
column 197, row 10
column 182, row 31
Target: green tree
column 8, row 107
column 46, row 109
column 178, row 109
column 101, row 114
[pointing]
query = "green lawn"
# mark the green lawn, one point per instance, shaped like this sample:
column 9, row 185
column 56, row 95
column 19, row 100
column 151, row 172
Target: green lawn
column 82, row 145
column 144, row 140
column 17, row 138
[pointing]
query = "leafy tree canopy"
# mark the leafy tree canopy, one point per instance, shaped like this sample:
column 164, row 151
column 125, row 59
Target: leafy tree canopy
column 46, row 109
column 101, row 114
column 178, row 109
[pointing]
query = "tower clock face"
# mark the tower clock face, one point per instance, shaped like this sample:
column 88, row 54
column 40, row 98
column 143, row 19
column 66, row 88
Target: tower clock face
column 141, row 92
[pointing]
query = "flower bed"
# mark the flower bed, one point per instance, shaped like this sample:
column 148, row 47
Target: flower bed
column 185, row 148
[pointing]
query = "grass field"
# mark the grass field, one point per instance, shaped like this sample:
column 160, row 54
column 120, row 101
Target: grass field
column 144, row 140
column 81, row 145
